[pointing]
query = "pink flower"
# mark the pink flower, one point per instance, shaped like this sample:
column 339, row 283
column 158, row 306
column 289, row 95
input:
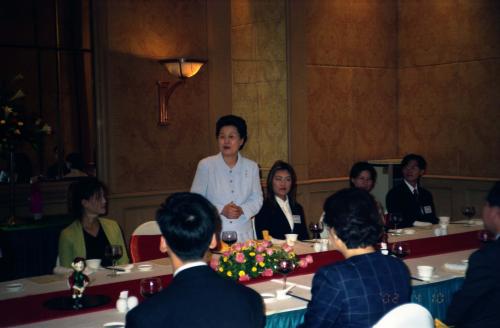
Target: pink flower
column 259, row 258
column 250, row 243
column 269, row 251
column 286, row 248
column 240, row 258
column 309, row 259
column 214, row 262
column 237, row 247
column 267, row 273
column 226, row 254
column 244, row 278
column 266, row 243
column 302, row 264
column 260, row 248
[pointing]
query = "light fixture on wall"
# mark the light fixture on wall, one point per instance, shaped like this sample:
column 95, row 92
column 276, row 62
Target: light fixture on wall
column 182, row 68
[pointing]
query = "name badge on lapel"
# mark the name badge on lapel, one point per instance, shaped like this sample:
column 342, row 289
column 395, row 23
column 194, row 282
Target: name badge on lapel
column 296, row 219
column 427, row 209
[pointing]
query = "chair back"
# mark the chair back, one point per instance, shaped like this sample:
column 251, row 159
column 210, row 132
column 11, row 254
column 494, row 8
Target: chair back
column 409, row 315
column 145, row 242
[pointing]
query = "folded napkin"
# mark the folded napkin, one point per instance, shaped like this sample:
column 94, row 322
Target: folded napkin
column 277, row 241
column 421, row 224
column 459, row 267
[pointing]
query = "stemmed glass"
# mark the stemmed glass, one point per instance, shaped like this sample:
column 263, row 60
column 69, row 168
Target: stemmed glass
column 395, row 219
column 113, row 252
column 229, row 237
column 284, row 266
column 400, row 249
column 150, row 286
column 316, row 229
column 469, row 212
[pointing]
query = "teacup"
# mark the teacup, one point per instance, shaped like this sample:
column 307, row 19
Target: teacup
column 444, row 220
column 425, row 272
column 93, row 264
column 291, row 238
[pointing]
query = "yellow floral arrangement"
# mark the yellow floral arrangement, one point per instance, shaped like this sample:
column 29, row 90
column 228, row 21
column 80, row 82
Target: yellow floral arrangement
column 255, row 258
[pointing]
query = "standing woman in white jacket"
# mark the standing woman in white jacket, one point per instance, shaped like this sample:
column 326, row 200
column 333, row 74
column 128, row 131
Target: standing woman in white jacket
column 229, row 180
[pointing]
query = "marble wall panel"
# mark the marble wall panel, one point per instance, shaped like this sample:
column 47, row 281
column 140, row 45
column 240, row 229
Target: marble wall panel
column 428, row 32
column 374, row 118
column 352, row 33
column 429, row 106
column 330, row 135
column 479, row 29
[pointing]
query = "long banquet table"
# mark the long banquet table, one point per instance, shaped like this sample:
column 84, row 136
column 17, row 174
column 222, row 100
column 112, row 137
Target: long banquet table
column 460, row 242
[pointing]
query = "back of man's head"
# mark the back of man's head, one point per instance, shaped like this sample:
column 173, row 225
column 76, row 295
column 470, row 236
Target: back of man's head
column 493, row 197
column 188, row 221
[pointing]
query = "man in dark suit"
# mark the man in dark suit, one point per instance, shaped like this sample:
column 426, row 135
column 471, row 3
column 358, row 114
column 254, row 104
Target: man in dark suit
column 409, row 200
column 358, row 291
column 477, row 303
column 197, row 296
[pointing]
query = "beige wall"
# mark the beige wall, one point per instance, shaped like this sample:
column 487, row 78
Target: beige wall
column 449, row 99
column 258, row 48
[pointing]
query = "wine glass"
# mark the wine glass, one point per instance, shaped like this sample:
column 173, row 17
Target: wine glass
column 400, row 249
column 395, row 219
column 229, row 237
column 316, row 229
column 150, row 286
column 469, row 212
column 284, row 266
column 113, row 252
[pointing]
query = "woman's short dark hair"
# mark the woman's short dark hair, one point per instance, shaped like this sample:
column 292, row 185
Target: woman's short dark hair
column 187, row 222
column 353, row 214
column 421, row 163
column 76, row 161
column 359, row 167
column 232, row 120
column 84, row 188
column 279, row 166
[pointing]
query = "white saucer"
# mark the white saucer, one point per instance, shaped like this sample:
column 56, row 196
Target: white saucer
column 145, row 267
column 115, row 324
column 14, row 287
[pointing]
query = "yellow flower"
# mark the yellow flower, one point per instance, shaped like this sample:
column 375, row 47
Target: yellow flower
column 291, row 255
column 47, row 129
column 251, row 253
column 241, row 273
column 221, row 269
column 254, row 269
column 229, row 274
column 20, row 123
column 262, row 264
column 244, row 248
column 224, row 259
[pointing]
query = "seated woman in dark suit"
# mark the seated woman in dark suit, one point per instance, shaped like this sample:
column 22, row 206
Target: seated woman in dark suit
column 358, row 291
column 281, row 214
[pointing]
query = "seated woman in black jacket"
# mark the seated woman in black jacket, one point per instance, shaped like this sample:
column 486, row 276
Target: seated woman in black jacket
column 281, row 214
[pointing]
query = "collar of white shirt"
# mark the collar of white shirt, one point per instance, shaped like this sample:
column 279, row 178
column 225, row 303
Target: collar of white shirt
column 410, row 186
column 287, row 210
column 188, row 266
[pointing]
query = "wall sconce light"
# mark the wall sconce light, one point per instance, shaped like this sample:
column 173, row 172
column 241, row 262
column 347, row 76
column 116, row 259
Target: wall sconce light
column 182, row 68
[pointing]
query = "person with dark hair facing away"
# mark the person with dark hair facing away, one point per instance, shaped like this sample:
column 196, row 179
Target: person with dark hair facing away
column 477, row 303
column 229, row 180
column 359, row 290
column 281, row 213
column 197, row 295
column 89, row 234
column 409, row 199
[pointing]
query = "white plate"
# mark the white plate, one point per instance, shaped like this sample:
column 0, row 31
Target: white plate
column 421, row 224
column 116, row 324
column 14, row 287
column 145, row 267
column 268, row 297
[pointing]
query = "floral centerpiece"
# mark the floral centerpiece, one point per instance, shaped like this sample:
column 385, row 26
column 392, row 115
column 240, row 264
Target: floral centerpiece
column 253, row 258
column 17, row 126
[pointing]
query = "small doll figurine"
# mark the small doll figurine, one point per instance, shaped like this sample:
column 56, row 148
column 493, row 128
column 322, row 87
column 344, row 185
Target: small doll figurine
column 78, row 281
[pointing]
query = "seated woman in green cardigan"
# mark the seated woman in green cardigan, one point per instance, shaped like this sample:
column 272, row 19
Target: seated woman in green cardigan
column 89, row 234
